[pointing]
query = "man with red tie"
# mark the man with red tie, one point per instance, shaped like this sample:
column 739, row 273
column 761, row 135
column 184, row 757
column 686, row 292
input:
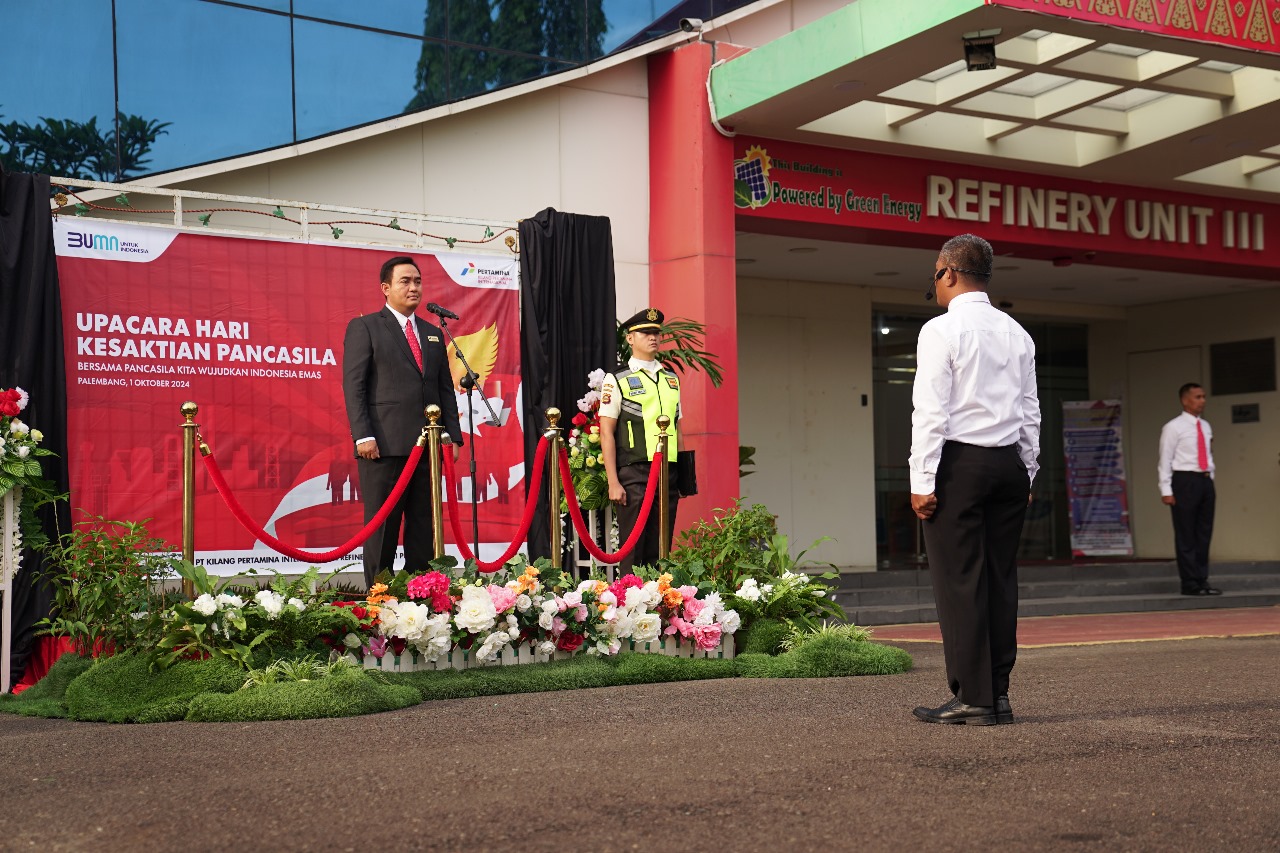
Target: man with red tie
column 1186, row 485
column 394, row 365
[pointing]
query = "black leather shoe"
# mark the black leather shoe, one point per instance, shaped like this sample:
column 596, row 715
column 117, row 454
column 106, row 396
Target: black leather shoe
column 957, row 713
column 1004, row 711
column 1209, row 590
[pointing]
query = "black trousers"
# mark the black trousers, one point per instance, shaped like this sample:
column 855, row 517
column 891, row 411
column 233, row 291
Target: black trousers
column 377, row 480
column 972, row 543
column 635, row 478
column 1193, row 504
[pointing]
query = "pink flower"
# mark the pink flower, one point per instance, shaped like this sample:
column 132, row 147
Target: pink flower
column 685, row 628
column 377, row 647
column 557, row 626
column 503, row 598
column 441, row 602
column 689, row 592
column 706, row 637
column 692, row 607
column 580, row 613
column 621, row 585
column 428, row 586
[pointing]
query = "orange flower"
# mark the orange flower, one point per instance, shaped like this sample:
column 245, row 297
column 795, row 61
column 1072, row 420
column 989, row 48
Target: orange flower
column 601, row 587
column 672, row 598
column 378, row 594
column 664, row 582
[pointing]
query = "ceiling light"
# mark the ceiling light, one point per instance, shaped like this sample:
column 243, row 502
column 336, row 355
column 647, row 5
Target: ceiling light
column 980, row 50
column 884, row 330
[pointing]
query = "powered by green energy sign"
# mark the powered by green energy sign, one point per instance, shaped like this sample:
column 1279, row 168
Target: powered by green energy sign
column 831, row 187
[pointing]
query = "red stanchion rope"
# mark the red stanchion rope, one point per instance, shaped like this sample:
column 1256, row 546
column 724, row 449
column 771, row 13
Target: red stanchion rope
column 575, row 512
column 215, row 474
column 526, row 521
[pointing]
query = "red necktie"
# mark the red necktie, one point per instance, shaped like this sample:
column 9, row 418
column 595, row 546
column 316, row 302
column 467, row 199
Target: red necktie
column 417, row 350
column 1202, row 450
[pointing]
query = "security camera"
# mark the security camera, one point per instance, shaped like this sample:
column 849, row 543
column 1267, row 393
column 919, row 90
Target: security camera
column 691, row 25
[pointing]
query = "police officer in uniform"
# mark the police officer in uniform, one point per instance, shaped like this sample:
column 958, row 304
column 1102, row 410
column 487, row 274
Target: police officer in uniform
column 631, row 401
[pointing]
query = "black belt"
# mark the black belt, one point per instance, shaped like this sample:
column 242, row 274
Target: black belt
column 1193, row 473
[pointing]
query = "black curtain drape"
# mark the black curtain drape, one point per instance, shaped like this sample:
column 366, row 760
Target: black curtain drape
column 568, row 326
column 31, row 357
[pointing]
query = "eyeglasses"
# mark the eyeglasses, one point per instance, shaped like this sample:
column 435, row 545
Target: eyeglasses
column 937, row 276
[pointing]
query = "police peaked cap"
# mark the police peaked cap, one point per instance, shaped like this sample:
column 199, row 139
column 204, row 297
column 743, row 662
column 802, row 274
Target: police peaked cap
column 650, row 319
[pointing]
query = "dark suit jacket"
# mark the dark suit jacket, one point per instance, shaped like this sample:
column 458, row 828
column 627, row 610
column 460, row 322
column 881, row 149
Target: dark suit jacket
column 385, row 395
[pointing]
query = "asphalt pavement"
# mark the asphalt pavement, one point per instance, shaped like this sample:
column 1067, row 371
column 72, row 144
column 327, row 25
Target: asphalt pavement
column 1150, row 746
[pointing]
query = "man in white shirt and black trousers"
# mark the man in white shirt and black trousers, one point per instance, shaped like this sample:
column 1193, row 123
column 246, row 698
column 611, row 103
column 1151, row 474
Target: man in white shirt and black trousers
column 975, row 439
column 1186, row 486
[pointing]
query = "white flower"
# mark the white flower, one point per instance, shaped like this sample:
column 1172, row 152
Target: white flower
column 226, row 599
column 706, row 616
column 24, row 452
column 37, row 436
column 595, row 379
column 523, row 602
column 573, row 599
column 514, row 634
column 408, row 620
column 23, row 397
column 297, row 604
column 730, row 621
column 647, row 628
column 766, row 589
column 351, row 641
column 573, row 442
column 749, row 591
column 545, row 620
column 550, row 606
column 714, row 603
column 271, row 602
column 17, row 427
column 821, row 593
column 475, row 611
column 512, row 624
column 622, row 627
column 546, row 647
column 205, row 605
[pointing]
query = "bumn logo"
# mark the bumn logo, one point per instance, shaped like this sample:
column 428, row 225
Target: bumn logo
column 85, row 240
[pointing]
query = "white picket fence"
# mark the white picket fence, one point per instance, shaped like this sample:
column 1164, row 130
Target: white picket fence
column 10, row 556
column 456, row 658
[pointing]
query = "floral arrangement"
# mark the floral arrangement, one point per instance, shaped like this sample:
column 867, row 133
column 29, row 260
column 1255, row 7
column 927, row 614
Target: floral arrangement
column 799, row 599
column 586, row 462
column 543, row 608
column 20, row 465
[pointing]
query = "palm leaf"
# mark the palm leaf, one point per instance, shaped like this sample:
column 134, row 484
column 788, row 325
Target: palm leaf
column 682, row 351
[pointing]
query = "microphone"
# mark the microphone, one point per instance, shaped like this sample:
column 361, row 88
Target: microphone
column 443, row 312
column 928, row 294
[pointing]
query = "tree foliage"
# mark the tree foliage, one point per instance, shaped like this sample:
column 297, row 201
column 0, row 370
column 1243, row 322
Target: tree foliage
column 80, row 149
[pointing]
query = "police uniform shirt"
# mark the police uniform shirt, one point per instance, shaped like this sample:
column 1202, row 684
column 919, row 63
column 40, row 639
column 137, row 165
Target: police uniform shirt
column 611, row 400
column 1178, row 450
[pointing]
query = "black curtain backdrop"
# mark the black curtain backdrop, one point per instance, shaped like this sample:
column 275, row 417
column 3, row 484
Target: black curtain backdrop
column 568, row 327
column 31, row 357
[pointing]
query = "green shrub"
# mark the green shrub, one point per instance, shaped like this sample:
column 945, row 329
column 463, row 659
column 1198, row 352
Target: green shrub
column 827, row 656
column 763, row 636
column 347, row 694
column 46, row 697
column 123, row 689
column 726, row 545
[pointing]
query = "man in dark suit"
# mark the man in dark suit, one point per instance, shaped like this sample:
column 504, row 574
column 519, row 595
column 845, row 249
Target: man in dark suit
column 394, row 365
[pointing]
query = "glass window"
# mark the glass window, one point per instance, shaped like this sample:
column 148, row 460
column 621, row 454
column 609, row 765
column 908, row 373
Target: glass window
column 346, row 76
column 216, row 78
column 57, row 98
column 626, row 22
column 414, row 17
column 273, row 5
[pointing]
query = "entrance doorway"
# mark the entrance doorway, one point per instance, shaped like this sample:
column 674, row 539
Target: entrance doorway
column 1062, row 372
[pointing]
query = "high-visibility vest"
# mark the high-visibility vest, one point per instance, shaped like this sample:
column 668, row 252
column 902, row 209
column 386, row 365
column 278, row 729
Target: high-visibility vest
column 644, row 399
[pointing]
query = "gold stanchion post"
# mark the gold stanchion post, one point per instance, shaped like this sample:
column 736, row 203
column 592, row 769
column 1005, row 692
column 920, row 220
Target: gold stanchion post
column 431, row 436
column 553, row 433
column 664, row 487
column 189, row 428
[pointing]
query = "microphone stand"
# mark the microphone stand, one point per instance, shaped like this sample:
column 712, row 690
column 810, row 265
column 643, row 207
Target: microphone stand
column 469, row 384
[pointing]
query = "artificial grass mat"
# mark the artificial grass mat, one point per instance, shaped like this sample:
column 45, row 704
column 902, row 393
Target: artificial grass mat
column 122, row 688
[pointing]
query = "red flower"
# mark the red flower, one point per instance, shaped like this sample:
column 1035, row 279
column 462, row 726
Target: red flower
column 578, row 420
column 569, row 642
column 359, row 612
column 9, row 403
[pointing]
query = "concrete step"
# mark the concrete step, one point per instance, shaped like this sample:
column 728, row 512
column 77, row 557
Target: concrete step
column 904, row 596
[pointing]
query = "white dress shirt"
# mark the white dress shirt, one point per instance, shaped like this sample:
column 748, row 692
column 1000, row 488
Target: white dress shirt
column 611, row 400
column 975, row 383
column 1178, row 449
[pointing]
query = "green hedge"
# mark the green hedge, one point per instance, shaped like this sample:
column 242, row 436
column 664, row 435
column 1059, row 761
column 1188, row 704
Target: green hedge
column 46, row 698
column 348, row 694
column 826, row 657
column 123, row 689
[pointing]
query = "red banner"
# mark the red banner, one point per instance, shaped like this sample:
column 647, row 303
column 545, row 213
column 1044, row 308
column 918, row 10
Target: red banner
column 252, row 330
column 793, row 182
column 1252, row 24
